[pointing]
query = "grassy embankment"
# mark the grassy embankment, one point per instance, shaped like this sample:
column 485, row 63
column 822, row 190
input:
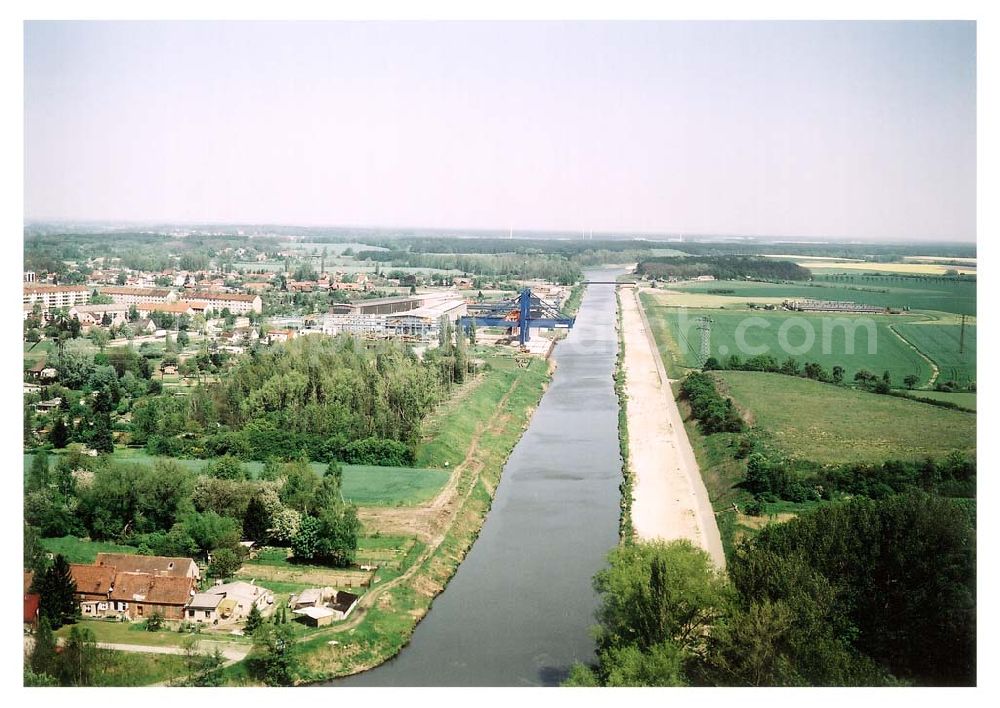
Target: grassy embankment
column 477, row 438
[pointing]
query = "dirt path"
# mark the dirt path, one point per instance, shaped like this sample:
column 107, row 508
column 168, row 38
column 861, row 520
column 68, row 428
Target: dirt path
column 935, row 371
column 669, row 497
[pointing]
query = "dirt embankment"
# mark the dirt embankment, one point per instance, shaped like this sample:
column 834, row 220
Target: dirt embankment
column 669, row 497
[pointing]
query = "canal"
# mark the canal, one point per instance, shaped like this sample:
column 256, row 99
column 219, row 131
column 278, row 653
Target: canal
column 519, row 608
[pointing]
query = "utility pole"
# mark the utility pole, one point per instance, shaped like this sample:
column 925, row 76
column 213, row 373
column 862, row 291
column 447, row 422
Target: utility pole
column 705, row 327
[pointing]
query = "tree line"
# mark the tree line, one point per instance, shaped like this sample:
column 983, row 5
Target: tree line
column 721, row 268
column 859, row 593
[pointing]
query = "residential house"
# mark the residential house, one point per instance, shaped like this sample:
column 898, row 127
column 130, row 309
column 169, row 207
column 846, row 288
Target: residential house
column 153, row 565
column 94, row 315
column 203, row 608
column 143, row 326
column 93, row 588
column 142, row 595
column 239, row 597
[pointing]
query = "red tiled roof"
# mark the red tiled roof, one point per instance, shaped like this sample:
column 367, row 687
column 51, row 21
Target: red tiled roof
column 46, row 288
column 157, row 565
column 92, row 579
column 144, row 292
column 154, row 589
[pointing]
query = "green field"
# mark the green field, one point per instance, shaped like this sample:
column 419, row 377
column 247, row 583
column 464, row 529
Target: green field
column 958, row 297
column 966, row 400
column 828, row 424
column 363, row 485
column 78, row 551
column 940, row 343
column 678, row 338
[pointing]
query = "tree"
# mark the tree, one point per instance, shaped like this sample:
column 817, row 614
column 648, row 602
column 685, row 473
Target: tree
column 256, row 521
column 911, row 380
column 38, row 474
column 59, row 434
column 226, row 467
column 254, row 621
column 101, row 438
column 275, row 661
column 838, row 374
column 99, row 337
column 299, row 489
column 209, row 531
column 79, row 658
column 225, row 563
column 36, row 558
column 657, row 602
column 43, row 658
column 57, row 589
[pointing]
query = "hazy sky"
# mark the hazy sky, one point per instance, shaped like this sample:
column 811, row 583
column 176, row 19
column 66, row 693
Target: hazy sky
column 858, row 130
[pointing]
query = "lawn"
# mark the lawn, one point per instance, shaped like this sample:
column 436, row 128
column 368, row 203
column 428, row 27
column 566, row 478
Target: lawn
column 76, row 550
column 821, row 338
column 938, row 294
column 940, row 343
column 828, row 424
column 112, row 632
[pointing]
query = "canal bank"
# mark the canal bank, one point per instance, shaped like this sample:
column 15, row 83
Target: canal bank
column 519, row 608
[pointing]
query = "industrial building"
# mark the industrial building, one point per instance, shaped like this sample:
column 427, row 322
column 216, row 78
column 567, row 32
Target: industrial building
column 417, row 318
column 389, row 305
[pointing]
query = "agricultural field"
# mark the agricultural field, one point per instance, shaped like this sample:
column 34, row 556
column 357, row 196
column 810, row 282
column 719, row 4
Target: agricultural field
column 907, row 268
column 941, row 344
column 936, row 294
column 678, row 337
column 828, row 424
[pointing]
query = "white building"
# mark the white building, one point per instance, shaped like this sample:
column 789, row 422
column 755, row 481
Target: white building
column 125, row 295
column 53, row 297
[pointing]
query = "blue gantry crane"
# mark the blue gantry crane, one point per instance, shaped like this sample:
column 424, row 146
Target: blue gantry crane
column 523, row 312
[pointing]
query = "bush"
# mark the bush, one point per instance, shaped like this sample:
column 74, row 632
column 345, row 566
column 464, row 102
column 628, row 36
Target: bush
column 754, row 507
column 377, row 451
column 715, row 413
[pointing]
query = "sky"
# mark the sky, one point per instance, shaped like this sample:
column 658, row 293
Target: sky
column 862, row 131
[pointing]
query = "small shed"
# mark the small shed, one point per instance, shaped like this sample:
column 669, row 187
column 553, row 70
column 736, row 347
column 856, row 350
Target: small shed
column 316, row 616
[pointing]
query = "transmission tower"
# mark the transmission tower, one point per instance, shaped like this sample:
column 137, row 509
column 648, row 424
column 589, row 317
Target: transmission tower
column 705, row 327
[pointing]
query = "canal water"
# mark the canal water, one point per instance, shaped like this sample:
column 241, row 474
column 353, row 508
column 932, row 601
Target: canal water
column 519, row 608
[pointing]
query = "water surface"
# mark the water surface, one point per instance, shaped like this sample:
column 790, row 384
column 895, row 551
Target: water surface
column 519, row 608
